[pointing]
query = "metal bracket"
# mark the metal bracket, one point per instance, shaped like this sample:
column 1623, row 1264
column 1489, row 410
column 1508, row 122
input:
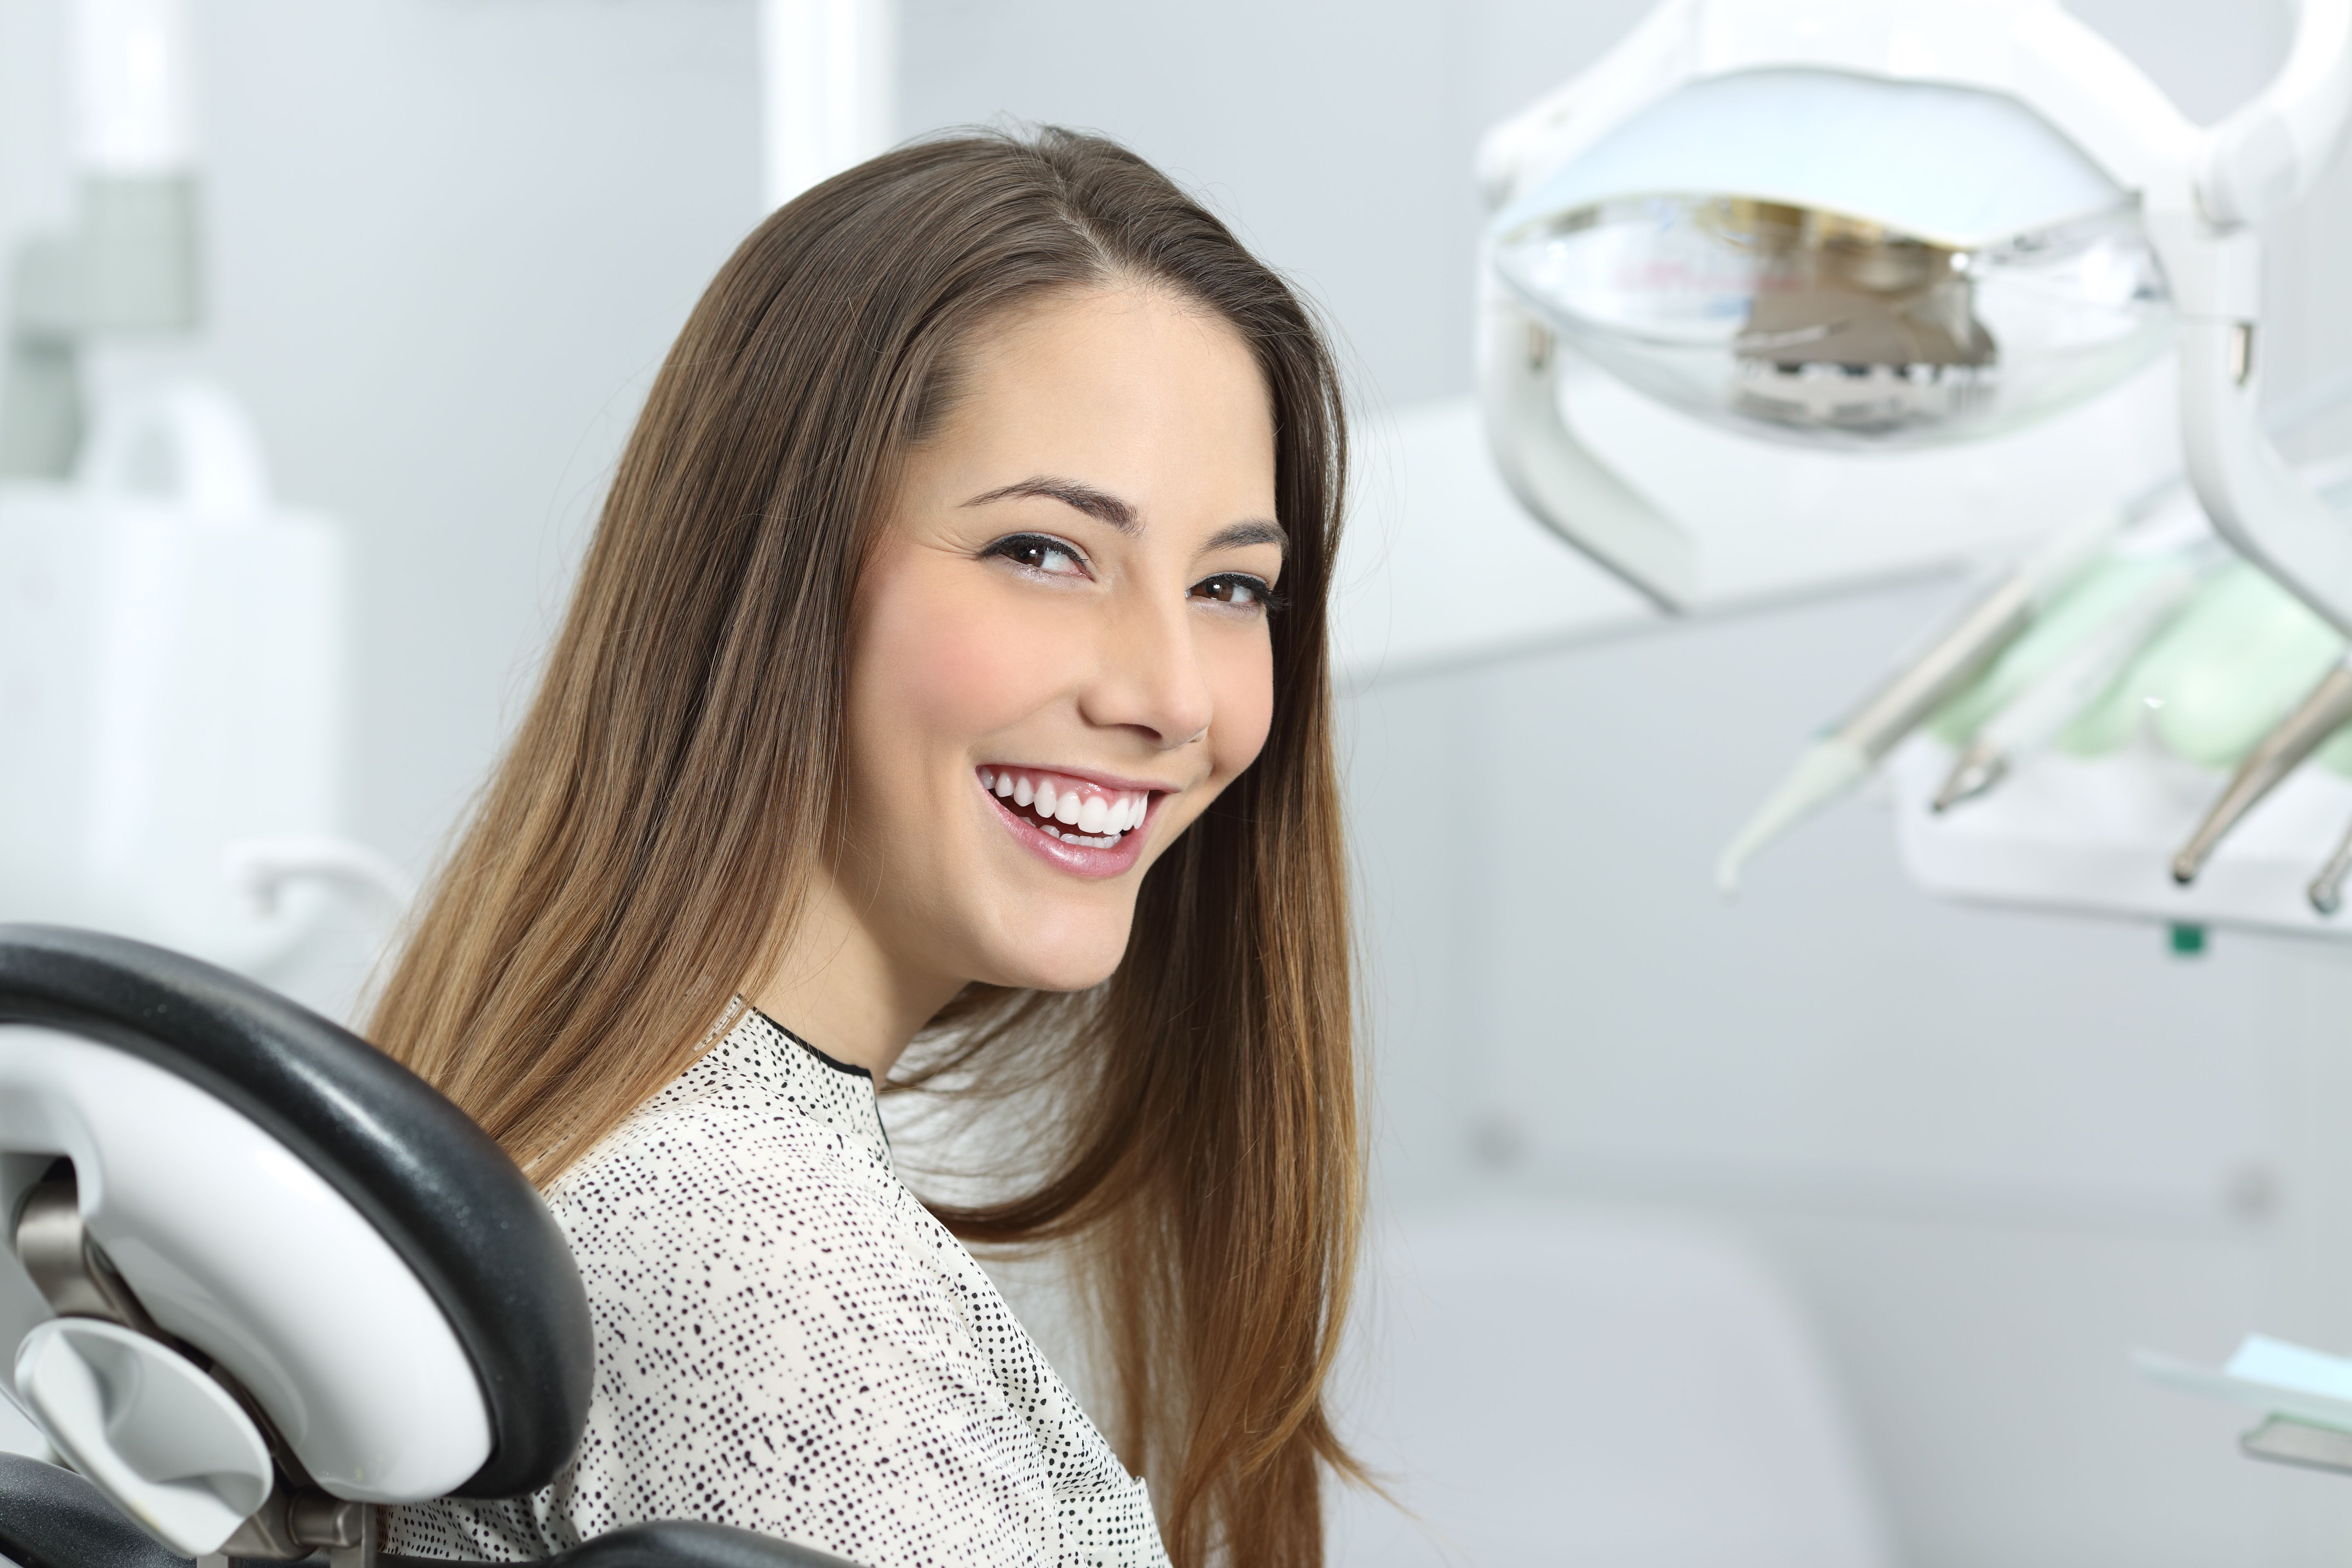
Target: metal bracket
column 67, row 1265
column 75, row 1276
column 368, row 1549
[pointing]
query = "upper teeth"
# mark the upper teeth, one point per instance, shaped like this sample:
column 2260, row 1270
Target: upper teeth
column 1091, row 810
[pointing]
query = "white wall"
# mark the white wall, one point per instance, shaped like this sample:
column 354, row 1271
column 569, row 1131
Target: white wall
column 448, row 244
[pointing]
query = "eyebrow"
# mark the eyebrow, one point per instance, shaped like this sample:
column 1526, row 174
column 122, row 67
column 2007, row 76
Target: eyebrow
column 1105, row 507
column 1257, row 530
column 1100, row 505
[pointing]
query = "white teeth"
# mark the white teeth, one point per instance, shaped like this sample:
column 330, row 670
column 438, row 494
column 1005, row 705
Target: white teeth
column 987, row 779
column 1093, row 820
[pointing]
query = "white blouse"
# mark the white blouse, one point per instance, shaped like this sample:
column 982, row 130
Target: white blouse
column 787, row 1340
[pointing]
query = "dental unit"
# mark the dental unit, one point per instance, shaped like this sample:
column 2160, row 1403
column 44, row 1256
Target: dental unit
column 1872, row 226
column 1890, row 226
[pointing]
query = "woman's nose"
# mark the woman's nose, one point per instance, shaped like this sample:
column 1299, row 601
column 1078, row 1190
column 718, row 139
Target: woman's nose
column 1150, row 676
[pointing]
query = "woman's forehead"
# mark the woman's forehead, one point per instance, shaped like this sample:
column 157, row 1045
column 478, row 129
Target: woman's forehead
column 1140, row 396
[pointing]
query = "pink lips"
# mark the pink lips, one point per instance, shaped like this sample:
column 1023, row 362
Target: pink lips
column 1120, row 802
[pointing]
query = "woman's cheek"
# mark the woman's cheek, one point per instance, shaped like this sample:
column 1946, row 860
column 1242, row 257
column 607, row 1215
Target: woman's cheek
column 967, row 664
column 1241, row 682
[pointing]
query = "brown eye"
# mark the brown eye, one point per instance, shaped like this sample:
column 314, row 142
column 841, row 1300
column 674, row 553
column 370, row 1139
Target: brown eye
column 1039, row 554
column 1234, row 588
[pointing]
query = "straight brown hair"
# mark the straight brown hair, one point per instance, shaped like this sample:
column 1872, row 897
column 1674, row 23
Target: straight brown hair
column 643, row 849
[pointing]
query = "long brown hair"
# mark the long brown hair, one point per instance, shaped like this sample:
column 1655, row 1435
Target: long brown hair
column 643, row 849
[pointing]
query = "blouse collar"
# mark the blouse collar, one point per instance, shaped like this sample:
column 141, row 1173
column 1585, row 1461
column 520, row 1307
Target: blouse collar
column 832, row 1093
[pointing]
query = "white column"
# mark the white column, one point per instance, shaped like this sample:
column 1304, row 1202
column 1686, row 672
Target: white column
column 134, row 107
column 829, row 79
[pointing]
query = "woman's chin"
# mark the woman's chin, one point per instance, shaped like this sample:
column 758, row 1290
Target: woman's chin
column 1046, row 964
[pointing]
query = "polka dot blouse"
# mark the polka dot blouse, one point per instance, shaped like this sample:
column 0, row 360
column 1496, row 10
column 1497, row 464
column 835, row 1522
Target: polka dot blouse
column 786, row 1340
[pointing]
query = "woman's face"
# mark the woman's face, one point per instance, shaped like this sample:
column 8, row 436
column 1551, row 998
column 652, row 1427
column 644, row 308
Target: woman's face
column 1060, row 654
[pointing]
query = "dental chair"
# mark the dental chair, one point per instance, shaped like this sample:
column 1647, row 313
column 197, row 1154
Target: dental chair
column 260, row 1279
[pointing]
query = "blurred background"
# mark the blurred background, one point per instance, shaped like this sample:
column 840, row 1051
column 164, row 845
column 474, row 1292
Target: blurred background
column 1943, row 1165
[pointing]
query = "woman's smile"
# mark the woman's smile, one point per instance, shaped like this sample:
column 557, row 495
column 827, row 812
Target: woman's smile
column 1080, row 822
column 1069, row 608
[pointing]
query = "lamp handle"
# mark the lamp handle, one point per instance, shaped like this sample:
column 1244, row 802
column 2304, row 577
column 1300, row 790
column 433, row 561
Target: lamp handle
column 1559, row 479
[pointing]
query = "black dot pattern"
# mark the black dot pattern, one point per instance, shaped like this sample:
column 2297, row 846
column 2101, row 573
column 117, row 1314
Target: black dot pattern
column 788, row 1342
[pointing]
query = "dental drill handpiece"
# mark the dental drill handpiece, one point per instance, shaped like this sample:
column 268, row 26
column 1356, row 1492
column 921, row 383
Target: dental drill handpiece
column 2034, row 720
column 1835, row 763
column 2327, row 709
column 2327, row 889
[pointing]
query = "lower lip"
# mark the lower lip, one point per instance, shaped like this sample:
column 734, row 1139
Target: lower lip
column 1077, row 859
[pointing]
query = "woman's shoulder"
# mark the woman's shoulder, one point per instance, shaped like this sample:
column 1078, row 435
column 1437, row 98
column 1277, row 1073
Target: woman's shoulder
column 692, row 1138
column 745, row 1132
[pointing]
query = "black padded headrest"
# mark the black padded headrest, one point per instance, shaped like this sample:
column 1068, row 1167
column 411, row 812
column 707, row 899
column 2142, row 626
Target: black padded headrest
column 51, row 1518
column 445, row 1196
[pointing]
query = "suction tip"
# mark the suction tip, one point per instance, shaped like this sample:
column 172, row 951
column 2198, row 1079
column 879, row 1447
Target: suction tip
column 1827, row 770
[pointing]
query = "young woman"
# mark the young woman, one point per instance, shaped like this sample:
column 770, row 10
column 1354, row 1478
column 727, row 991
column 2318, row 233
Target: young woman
column 949, row 662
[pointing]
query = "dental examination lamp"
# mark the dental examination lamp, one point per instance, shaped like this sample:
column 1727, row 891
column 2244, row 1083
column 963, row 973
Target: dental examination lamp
column 258, row 1279
column 1883, row 224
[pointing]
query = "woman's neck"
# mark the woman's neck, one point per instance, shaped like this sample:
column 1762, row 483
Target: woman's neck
column 838, row 988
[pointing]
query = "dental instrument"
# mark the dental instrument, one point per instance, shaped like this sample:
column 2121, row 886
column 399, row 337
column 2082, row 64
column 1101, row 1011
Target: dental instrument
column 2035, row 718
column 1835, row 764
column 2320, row 715
column 2327, row 888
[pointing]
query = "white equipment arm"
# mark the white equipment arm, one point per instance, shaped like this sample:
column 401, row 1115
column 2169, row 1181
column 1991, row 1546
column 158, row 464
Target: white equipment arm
column 2269, row 155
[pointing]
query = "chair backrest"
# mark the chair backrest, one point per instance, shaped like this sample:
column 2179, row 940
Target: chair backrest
column 199, row 1173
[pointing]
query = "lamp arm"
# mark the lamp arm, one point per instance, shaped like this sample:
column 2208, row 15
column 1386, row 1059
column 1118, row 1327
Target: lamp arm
column 2252, row 165
column 1649, row 62
column 1560, row 480
column 2267, row 512
column 2272, row 150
